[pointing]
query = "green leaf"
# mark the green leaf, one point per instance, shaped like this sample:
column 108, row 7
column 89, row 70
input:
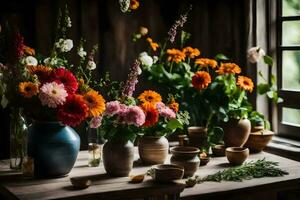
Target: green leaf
column 273, row 79
column 268, row 60
column 279, row 100
column 173, row 124
column 263, row 88
column 216, row 135
column 220, row 57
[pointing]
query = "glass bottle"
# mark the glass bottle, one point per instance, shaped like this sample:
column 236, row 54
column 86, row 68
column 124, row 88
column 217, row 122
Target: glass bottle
column 95, row 147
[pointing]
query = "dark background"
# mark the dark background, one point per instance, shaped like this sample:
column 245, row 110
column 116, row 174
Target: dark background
column 216, row 26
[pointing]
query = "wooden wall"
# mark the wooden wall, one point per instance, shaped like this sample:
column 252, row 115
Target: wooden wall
column 216, row 26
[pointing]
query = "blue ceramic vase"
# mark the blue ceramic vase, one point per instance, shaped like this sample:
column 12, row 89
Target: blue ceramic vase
column 54, row 148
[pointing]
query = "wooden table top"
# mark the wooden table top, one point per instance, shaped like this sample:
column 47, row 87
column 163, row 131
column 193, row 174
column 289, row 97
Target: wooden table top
column 105, row 187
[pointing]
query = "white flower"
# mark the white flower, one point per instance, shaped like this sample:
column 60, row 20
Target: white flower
column 69, row 22
column 64, row 45
column 91, row 65
column 255, row 54
column 145, row 59
column 155, row 59
column 31, row 61
column 53, row 94
column 50, row 61
column 124, row 5
column 81, row 52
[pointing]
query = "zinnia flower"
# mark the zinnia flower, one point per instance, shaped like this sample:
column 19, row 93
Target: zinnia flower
column 53, row 94
column 112, row 108
column 150, row 96
column 191, row 52
column 174, row 105
column 153, row 45
column 151, row 114
column 96, row 122
column 65, row 77
column 95, row 103
column 42, row 72
column 255, row 54
column 134, row 4
column 175, row 55
column 135, row 116
column 74, row 111
column 229, row 68
column 201, row 80
column 245, row 83
column 206, row 62
column 28, row 89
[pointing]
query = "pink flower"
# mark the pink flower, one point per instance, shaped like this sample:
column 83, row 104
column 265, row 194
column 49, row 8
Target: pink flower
column 135, row 116
column 112, row 108
column 96, row 122
column 165, row 111
column 53, row 94
column 160, row 105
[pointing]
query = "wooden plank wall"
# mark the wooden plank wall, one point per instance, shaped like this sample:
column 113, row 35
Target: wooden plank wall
column 216, row 25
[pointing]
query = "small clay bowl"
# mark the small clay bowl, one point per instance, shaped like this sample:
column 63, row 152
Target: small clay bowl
column 218, row 150
column 237, row 155
column 167, row 172
column 80, row 183
column 204, row 161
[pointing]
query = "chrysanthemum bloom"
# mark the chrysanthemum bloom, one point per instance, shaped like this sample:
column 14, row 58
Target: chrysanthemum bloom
column 151, row 114
column 175, row 55
column 153, row 45
column 96, row 122
column 28, row 89
column 191, row 52
column 206, row 62
column 29, row 51
column 201, row 80
column 42, row 72
column 112, row 108
column 135, row 115
column 134, row 4
column 229, row 68
column 245, row 83
column 65, row 77
column 150, row 96
column 53, row 94
column 174, row 105
column 95, row 103
column 74, row 111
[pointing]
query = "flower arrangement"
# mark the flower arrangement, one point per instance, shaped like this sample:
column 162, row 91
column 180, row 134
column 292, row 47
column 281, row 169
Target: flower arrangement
column 50, row 88
column 128, row 5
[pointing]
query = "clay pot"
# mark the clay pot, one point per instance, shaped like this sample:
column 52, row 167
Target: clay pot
column 197, row 136
column 218, row 150
column 187, row 157
column 237, row 155
column 236, row 132
column 167, row 173
column 259, row 139
column 153, row 150
column 118, row 157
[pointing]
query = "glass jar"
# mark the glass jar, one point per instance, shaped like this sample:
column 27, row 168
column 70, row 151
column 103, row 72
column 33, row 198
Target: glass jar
column 95, row 147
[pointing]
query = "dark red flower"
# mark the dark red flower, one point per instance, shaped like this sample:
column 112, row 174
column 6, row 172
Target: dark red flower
column 65, row 77
column 74, row 111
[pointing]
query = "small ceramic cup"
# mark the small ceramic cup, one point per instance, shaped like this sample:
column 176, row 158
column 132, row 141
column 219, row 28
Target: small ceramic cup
column 167, row 172
column 237, row 155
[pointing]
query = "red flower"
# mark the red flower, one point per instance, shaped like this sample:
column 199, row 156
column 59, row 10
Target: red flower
column 74, row 111
column 151, row 114
column 65, row 77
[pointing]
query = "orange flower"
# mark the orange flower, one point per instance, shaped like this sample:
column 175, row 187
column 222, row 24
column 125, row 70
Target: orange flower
column 245, row 83
column 42, row 72
column 201, row 80
column 134, row 4
column 206, row 62
column 28, row 89
column 174, row 105
column 151, row 114
column 29, row 51
column 229, row 68
column 191, row 52
column 150, row 96
column 95, row 102
column 153, row 45
column 175, row 55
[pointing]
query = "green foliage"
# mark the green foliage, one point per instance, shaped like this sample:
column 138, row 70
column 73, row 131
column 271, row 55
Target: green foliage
column 221, row 57
column 268, row 60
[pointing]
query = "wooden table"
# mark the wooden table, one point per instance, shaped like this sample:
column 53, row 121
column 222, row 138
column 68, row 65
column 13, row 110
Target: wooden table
column 13, row 186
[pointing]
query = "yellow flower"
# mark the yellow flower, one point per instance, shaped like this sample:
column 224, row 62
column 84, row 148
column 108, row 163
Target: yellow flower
column 175, row 55
column 245, row 83
column 150, row 96
column 174, row 105
column 28, row 89
column 191, row 52
column 95, row 103
column 206, row 62
column 229, row 68
column 134, row 4
column 153, row 45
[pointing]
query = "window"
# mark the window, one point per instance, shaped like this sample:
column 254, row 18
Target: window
column 288, row 66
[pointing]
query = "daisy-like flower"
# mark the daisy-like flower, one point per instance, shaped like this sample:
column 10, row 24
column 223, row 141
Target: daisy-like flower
column 95, row 103
column 28, row 89
column 191, row 52
column 175, row 55
column 245, row 83
column 74, row 111
column 29, row 51
column 206, row 62
column 53, row 94
column 150, row 96
column 229, row 68
column 65, row 77
column 201, row 80
column 31, row 61
column 135, row 116
column 151, row 113
column 42, row 72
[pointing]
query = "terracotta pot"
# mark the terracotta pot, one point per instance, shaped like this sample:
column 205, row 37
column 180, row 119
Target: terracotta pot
column 153, row 150
column 187, row 157
column 197, row 136
column 236, row 155
column 118, row 157
column 218, row 150
column 236, row 132
column 259, row 139
column 167, row 173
